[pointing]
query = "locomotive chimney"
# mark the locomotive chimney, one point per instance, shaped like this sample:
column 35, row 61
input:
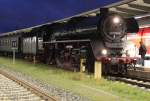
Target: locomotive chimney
column 104, row 11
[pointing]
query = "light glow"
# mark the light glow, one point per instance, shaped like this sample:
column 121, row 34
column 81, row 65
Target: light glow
column 104, row 52
column 116, row 20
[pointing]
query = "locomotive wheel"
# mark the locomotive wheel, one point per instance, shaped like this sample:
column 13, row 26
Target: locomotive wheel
column 131, row 66
column 66, row 64
column 59, row 63
column 105, row 69
column 122, row 69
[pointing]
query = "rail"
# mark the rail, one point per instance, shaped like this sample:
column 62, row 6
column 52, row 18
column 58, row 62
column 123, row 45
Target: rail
column 31, row 88
column 132, row 81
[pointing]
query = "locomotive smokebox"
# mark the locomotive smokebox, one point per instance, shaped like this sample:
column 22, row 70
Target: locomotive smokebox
column 112, row 27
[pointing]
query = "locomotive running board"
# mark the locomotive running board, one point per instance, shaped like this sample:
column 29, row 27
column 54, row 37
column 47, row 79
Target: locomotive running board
column 67, row 41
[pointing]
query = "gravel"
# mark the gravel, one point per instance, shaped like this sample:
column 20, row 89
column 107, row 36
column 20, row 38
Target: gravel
column 62, row 94
column 11, row 91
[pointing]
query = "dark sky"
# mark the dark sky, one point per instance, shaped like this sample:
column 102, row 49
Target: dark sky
column 18, row 14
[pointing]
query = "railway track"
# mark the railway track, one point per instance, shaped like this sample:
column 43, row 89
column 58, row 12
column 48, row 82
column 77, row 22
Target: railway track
column 133, row 81
column 13, row 89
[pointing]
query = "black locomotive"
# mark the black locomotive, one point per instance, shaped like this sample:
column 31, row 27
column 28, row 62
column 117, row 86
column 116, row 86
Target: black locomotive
column 65, row 43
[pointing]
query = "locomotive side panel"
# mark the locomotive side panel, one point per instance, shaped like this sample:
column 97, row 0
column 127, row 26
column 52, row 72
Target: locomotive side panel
column 30, row 45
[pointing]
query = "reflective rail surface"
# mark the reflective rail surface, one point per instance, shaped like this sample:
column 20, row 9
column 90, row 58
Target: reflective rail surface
column 133, row 81
column 13, row 89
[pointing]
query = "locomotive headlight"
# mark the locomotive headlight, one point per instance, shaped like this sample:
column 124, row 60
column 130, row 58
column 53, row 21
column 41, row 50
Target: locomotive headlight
column 104, row 52
column 116, row 20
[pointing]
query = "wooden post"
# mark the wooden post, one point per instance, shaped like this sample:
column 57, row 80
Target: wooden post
column 34, row 59
column 82, row 67
column 98, row 70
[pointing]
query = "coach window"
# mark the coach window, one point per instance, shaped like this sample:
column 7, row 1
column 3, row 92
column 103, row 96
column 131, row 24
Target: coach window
column 1, row 42
column 40, row 44
column 10, row 43
column 6, row 42
column 14, row 44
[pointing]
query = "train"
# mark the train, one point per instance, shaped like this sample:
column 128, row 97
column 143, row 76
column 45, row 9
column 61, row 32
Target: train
column 66, row 43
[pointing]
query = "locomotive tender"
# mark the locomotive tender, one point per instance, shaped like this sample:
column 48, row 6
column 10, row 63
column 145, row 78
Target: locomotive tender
column 65, row 43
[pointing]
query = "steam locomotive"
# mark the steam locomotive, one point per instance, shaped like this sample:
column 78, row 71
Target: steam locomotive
column 65, row 43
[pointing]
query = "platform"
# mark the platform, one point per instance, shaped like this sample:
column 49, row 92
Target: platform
column 143, row 68
column 141, row 73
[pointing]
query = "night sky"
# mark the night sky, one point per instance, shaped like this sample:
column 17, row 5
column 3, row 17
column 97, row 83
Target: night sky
column 18, row 14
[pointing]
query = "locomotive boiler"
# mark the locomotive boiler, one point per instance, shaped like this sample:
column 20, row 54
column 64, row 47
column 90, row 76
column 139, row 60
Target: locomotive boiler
column 91, row 38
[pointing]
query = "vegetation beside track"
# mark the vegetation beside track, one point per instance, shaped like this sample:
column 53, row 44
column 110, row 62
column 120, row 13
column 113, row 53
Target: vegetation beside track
column 82, row 84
